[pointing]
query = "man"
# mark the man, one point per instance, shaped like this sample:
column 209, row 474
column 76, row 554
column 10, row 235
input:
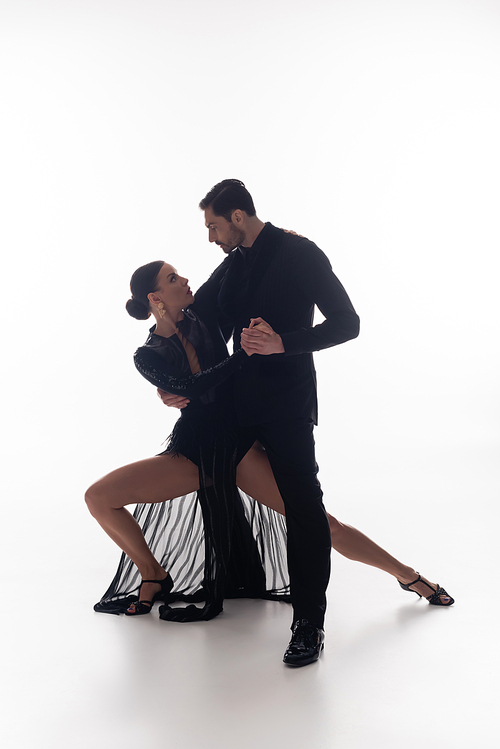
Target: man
column 268, row 287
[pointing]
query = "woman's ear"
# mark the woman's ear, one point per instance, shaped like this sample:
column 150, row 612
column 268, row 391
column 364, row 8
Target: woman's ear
column 154, row 298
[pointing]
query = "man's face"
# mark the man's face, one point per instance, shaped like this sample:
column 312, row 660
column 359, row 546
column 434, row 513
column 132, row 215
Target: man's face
column 224, row 233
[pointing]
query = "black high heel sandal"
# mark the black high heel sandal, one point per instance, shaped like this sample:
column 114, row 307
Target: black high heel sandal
column 435, row 597
column 145, row 606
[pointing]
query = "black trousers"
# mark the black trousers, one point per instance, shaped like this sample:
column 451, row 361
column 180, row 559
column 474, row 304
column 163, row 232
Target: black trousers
column 289, row 445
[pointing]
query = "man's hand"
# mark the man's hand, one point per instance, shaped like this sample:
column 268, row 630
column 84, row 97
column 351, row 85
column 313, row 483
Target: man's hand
column 174, row 401
column 261, row 339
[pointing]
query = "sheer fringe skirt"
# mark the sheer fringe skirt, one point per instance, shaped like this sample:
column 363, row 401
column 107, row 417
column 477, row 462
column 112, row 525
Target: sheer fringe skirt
column 216, row 543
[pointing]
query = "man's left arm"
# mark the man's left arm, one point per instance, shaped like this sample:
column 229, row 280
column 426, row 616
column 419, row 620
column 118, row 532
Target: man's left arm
column 314, row 276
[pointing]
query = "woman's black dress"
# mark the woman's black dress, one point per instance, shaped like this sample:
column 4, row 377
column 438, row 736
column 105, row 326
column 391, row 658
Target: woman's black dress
column 217, row 543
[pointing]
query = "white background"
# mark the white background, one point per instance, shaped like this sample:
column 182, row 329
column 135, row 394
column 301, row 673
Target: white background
column 371, row 127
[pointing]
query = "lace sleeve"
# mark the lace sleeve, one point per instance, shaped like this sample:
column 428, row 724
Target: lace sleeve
column 157, row 371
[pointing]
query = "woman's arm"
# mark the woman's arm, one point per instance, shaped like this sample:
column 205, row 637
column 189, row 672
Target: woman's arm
column 159, row 373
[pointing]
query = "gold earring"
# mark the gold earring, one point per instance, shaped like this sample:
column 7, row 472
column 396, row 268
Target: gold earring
column 161, row 309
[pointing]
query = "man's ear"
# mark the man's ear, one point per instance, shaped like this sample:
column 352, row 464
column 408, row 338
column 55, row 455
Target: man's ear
column 237, row 216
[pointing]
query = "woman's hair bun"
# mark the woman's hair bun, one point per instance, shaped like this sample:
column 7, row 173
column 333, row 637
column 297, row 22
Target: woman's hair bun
column 137, row 309
column 144, row 280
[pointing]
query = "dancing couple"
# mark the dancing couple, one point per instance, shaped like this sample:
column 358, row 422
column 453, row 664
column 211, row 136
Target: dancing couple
column 233, row 506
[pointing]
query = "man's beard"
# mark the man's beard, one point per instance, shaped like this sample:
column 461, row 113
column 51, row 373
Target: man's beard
column 235, row 238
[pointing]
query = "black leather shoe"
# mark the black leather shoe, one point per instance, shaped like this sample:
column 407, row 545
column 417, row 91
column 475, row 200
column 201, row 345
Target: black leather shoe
column 306, row 644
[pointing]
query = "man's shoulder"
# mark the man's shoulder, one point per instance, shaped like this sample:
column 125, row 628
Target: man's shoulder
column 298, row 248
column 212, row 284
column 221, row 269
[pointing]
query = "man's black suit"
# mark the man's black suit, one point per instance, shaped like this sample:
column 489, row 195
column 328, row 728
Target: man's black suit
column 281, row 278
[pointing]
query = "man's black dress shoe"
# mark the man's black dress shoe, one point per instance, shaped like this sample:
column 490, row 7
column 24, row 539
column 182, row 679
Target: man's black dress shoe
column 306, row 644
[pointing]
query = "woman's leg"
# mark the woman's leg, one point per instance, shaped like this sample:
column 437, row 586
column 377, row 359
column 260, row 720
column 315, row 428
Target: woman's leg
column 147, row 481
column 255, row 477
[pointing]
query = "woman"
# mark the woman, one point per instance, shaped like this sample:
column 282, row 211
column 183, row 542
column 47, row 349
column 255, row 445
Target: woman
column 244, row 540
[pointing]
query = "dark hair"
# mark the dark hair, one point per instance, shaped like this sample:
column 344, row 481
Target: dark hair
column 143, row 281
column 228, row 196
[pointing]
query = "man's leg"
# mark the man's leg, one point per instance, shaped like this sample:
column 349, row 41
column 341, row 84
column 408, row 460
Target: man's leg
column 290, row 448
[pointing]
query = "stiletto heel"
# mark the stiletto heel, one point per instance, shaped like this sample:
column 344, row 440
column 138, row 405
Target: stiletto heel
column 435, row 597
column 145, row 606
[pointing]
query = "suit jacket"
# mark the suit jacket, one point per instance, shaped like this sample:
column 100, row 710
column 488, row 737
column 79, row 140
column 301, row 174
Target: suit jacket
column 288, row 277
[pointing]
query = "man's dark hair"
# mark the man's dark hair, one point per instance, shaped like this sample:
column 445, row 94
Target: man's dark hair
column 228, row 196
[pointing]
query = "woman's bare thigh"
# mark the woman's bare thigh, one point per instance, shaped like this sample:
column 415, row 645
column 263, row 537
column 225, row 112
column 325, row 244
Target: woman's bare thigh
column 147, row 481
column 255, row 477
column 165, row 477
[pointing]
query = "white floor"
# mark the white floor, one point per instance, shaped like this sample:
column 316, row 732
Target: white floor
column 395, row 672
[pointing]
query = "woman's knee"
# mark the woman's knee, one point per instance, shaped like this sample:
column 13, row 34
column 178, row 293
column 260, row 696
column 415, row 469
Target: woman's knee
column 99, row 497
column 336, row 527
column 91, row 497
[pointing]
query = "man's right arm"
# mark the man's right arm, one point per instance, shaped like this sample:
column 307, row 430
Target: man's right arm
column 206, row 301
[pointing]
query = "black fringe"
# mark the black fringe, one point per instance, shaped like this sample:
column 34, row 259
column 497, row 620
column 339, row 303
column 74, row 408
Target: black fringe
column 218, row 543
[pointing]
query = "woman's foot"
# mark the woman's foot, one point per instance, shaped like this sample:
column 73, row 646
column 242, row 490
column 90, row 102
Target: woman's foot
column 425, row 588
column 149, row 592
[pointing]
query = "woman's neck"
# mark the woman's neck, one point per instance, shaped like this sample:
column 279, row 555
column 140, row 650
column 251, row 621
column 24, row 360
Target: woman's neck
column 167, row 325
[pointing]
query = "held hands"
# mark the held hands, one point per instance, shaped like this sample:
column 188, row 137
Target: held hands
column 173, row 401
column 260, row 338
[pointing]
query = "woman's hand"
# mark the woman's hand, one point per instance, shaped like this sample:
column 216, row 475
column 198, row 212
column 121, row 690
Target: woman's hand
column 290, row 231
column 260, row 338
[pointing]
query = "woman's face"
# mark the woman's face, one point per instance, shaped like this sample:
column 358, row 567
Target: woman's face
column 173, row 290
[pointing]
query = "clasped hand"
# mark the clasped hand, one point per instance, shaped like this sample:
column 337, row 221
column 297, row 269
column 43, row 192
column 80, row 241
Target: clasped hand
column 260, row 338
